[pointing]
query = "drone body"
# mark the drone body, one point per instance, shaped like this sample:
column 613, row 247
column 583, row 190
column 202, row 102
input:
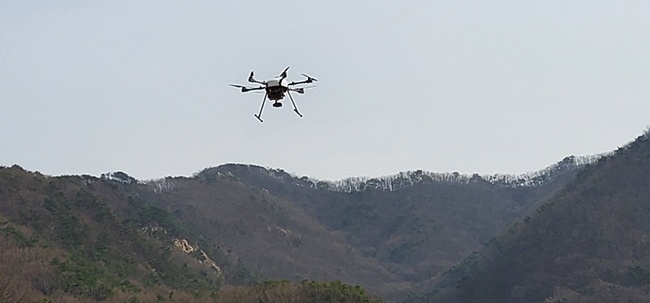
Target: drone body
column 275, row 90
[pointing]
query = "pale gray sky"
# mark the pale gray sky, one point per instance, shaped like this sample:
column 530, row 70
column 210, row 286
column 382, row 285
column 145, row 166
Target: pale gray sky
column 506, row 86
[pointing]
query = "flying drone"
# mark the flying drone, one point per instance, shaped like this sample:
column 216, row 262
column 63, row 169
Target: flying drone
column 275, row 90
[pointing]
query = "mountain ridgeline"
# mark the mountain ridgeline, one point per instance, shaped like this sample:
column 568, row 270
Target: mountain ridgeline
column 413, row 225
column 241, row 232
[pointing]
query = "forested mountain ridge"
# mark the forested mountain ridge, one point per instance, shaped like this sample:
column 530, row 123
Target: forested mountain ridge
column 588, row 243
column 415, row 224
column 82, row 238
column 79, row 238
column 253, row 174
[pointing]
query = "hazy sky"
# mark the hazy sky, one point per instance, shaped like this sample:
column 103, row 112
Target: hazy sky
column 88, row 87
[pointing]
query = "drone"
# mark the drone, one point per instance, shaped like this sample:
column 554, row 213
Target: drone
column 275, row 90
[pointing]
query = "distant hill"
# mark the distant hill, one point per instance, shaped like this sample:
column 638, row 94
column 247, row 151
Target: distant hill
column 413, row 225
column 114, row 238
column 589, row 243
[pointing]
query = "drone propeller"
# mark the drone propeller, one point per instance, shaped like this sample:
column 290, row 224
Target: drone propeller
column 310, row 79
column 284, row 73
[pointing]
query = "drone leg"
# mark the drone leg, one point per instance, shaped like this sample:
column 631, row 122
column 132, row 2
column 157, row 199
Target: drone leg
column 259, row 116
column 295, row 109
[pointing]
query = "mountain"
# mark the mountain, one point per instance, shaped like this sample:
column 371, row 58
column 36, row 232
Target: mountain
column 589, row 243
column 79, row 238
column 413, row 225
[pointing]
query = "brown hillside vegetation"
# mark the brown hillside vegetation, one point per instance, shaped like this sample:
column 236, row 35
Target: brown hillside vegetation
column 589, row 243
column 75, row 239
column 414, row 232
column 113, row 238
column 81, row 239
column 271, row 235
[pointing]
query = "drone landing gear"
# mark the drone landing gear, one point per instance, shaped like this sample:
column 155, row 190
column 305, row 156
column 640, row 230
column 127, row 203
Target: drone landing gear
column 295, row 109
column 277, row 105
column 259, row 116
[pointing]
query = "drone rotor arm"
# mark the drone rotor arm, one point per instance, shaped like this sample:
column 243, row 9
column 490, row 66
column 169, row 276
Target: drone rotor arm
column 300, row 82
column 246, row 89
column 300, row 90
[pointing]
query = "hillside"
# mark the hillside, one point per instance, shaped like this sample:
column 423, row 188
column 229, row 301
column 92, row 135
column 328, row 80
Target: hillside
column 271, row 234
column 80, row 238
column 414, row 225
column 589, row 243
column 75, row 238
